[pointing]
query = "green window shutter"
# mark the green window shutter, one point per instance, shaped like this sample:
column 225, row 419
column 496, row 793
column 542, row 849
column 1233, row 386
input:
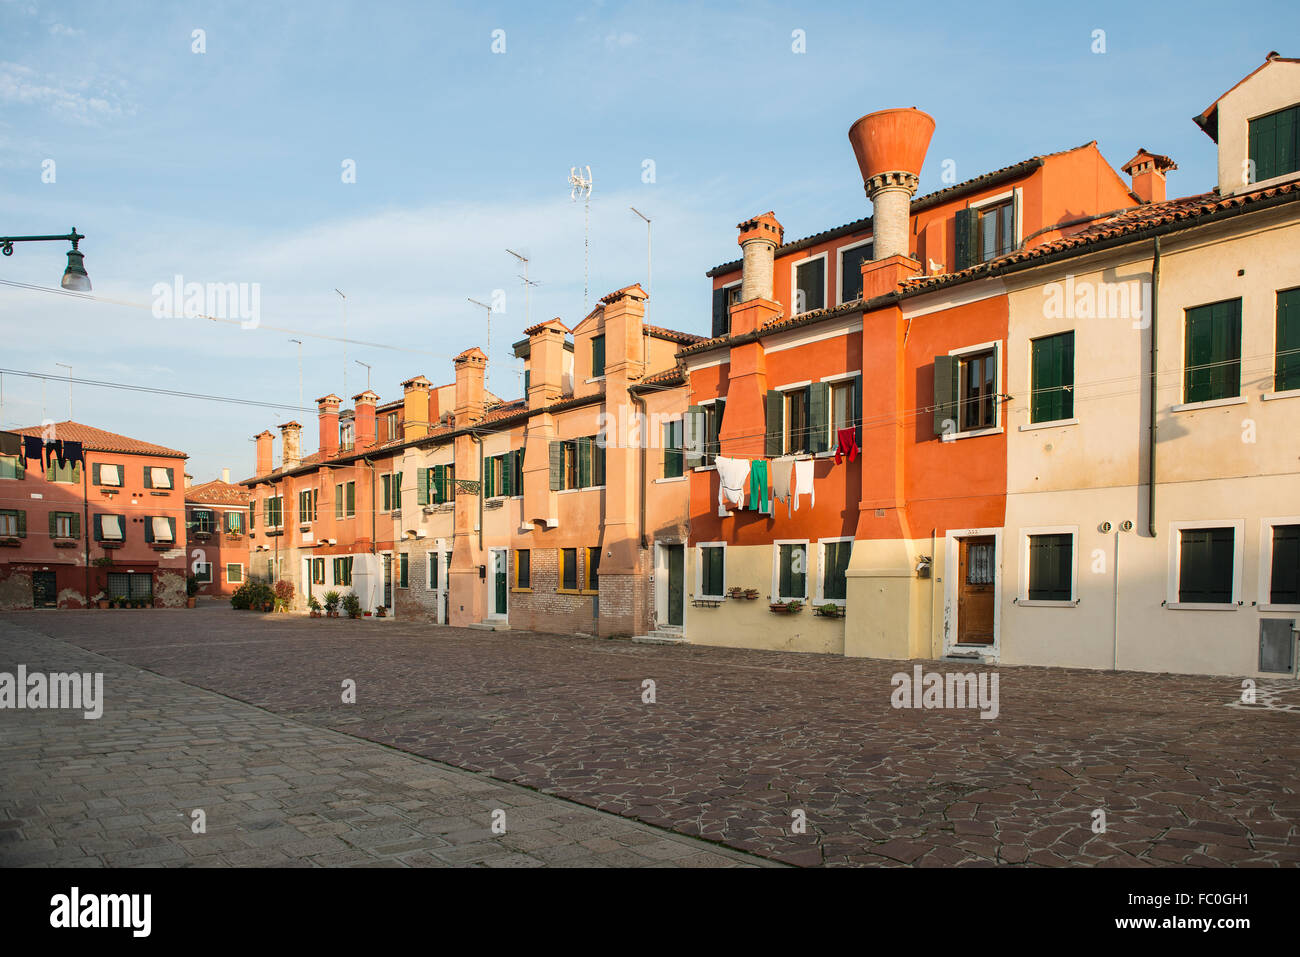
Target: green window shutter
column 857, row 409
column 819, row 400
column 54, row 524
column 148, row 529
column 1287, row 364
column 22, row 523
column 1212, row 355
column 692, row 437
column 672, row 445
column 94, row 474
column 967, row 236
column 598, row 465
column 557, row 465
column 1052, row 375
column 352, row 498
column 775, row 423
column 422, row 487
column 338, row 501
column 721, row 317
column 597, row 356
column 76, row 525
column 490, row 477
column 1206, row 565
column 1284, row 580
column 584, row 462
column 945, row 395
column 1051, row 562
column 148, row 478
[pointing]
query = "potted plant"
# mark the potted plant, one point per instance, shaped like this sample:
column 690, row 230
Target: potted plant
column 283, row 595
column 313, row 606
column 829, row 610
column 751, row 593
column 332, row 603
column 736, row 592
column 119, row 602
column 352, row 605
column 786, row 607
column 382, row 612
column 191, row 591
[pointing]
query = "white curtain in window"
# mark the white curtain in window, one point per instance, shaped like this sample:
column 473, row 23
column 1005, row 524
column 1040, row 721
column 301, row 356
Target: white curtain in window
column 110, row 475
column 162, row 529
column 160, row 478
column 111, row 526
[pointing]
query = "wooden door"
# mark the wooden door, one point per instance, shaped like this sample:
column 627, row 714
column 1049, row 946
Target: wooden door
column 676, row 584
column 976, row 572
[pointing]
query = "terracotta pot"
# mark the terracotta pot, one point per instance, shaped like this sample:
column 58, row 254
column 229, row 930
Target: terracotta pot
column 190, row 602
column 103, row 603
column 891, row 140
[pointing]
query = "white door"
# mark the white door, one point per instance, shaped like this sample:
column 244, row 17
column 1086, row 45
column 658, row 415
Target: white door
column 498, row 584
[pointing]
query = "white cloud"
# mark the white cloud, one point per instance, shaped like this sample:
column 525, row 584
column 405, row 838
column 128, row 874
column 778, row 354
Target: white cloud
column 23, row 86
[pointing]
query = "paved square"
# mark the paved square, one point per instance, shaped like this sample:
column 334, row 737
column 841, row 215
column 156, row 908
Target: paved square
column 738, row 741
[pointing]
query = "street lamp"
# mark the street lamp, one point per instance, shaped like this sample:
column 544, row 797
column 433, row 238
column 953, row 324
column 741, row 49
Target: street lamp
column 74, row 277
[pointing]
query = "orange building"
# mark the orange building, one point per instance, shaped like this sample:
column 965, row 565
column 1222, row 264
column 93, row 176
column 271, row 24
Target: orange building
column 90, row 515
column 216, row 516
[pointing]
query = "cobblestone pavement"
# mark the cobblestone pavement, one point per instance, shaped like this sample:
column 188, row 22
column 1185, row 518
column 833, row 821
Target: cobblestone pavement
column 737, row 741
column 120, row 790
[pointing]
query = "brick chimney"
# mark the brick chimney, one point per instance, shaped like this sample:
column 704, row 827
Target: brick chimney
column 290, row 444
column 545, row 362
column 1148, row 172
column 415, row 417
column 758, row 240
column 328, row 405
column 262, row 442
column 225, row 476
column 363, row 404
column 471, row 368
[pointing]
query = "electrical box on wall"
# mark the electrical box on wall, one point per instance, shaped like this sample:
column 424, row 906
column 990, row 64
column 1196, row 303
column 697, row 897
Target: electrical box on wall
column 482, row 571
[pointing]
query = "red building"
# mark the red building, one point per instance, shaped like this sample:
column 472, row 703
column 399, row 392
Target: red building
column 104, row 520
column 216, row 516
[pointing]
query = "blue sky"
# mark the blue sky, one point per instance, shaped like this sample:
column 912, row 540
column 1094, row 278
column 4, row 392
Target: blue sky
column 225, row 166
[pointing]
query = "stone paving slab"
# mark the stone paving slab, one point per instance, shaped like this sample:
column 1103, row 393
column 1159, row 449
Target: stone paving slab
column 119, row 791
column 738, row 741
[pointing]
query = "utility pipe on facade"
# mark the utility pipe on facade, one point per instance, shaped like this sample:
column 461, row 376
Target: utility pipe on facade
column 1155, row 352
column 640, row 404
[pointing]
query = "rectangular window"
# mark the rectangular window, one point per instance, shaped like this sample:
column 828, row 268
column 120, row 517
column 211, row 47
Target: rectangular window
column 67, row 474
column 810, row 285
column 273, row 511
column 234, row 573
column 431, row 563
column 343, row 571
column 157, row 477
column 713, row 413
column 851, row 261
column 65, row 525
column 1051, row 373
column 307, row 505
column 997, row 229
column 403, row 571
column 1286, row 370
column 1205, row 565
column 1275, row 144
column 107, row 475
column 976, row 389
column 109, row 528
column 568, row 569
column 835, row 562
column 159, row 529
column 252, row 515
column 203, row 521
column 843, row 409
column 345, row 500
column 203, row 573
column 130, row 585
column 386, row 493
column 591, row 570
column 11, row 467
column 672, row 449
column 1284, row 577
column 13, row 523
column 1051, row 567
column 523, row 569
column 1212, row 353
column 712, row 581
column 796, row 421
column 571, row 465
column 792, row 572
column 318, row 571
column 390, row 421
column 234, row 523
column 597, row 356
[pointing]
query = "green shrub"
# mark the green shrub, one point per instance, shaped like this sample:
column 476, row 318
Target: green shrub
column 352, row 605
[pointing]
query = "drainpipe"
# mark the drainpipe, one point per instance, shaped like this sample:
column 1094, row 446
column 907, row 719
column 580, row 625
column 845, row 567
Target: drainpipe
column 1151, row 437
column 373, row 549
column 639, row 402
column 85, row 518
column 478, row 440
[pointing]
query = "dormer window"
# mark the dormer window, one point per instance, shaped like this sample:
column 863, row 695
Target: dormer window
column 809, row 290
column 392, row 425
column 1275, row 144
column 346, row 435
column 597, row 356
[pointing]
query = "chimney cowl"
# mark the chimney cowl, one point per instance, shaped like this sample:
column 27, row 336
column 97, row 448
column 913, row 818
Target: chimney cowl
column 890, row 147
column 759, row 238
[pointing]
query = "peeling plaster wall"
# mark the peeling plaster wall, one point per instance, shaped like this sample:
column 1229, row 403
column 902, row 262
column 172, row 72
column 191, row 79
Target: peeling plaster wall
column 16, row 592
column 169, row 588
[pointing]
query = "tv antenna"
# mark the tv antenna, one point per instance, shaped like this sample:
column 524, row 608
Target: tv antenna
column 528, row 284
column 488, row 350
column 580, row 185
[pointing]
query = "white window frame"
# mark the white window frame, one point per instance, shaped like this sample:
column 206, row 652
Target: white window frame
column 728, row 286
column 998, row 391
column 794, row 281
column 226, row 572
column 833, row 380
column 699, row 569
column 785, row 390
column 1016, row 196
column 1022, row 591
column 1238, row 526
column 776, row 569
column 839, row 267
column 701, row 403
column 821, row 569
column 1266, row 561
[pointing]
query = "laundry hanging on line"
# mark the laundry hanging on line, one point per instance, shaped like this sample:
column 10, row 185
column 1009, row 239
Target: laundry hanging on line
column 33, row 448
column 731, row 482
column 781, row 482
column 803, row 483
column 11, row 444
column 758, row 499
column 848, row 445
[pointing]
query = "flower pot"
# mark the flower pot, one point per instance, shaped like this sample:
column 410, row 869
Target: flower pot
column 190, row 602
column 103, row 603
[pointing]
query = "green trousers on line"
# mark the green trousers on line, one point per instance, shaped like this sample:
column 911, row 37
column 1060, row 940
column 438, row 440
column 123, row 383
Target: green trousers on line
column 758, row 498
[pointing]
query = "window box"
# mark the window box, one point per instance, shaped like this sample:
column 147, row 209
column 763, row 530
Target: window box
column 706, row 602
column 829, row 610
column 11, row 542
column 786, row 607
column 66, row 543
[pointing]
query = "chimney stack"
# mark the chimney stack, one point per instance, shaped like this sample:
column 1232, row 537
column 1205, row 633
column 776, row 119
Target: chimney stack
column 758, row 240
column 225, row 476
column 363, row 405
column 328, row 407
column 290, row 444
column 1148, row 172
column 262, row 442
column 890, row 148
column 415, row 409
column 471, row 367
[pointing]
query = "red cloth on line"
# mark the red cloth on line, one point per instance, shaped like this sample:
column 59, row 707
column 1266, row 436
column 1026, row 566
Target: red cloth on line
column 848, row 445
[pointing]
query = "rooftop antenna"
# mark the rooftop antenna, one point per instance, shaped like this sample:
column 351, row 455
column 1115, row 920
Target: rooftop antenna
column 345, row 343
column 367, row 365
column 580, row 185
column 488, row 350
column 647, row 248
column 528, row 284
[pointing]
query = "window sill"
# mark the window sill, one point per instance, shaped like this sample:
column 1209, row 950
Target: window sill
column 585, row 488
column 975, row 434
column 668, row 481
column 1285, row 394
column 1271, row 607
column 1201, row 606
column 706, row 468
column 567, row 591
column 1055, row 424
column 589, row 592
column 521, row 591
column 594, row 379
column 1044, row 603
column 1209, row 404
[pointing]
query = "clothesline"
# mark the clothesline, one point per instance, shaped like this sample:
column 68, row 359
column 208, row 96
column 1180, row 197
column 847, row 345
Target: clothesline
column 28, row 447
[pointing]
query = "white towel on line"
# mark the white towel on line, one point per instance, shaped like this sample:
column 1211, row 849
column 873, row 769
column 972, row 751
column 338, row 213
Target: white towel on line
column 803, row 483
column 780, row 476
column 731, row 482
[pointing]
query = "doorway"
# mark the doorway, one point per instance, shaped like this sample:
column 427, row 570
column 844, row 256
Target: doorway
column 498, row 591
column 670, row 586
column 387, row 560
column 976, row 589
column 45, row 590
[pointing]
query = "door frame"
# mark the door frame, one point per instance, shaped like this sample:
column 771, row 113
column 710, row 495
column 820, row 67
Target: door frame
column 950, row 585
column 388, row 580
column 52, row 575
column 661, row 586
column 504, row 614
